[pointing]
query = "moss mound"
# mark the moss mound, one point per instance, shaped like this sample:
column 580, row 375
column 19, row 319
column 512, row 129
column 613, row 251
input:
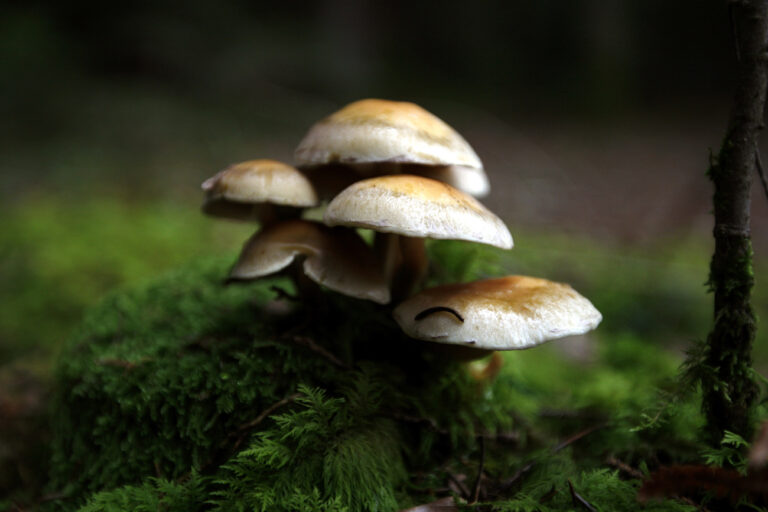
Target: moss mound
column 188, row 395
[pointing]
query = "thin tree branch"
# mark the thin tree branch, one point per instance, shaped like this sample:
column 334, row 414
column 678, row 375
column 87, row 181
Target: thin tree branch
column 734, row 30
column 265, row 413
column 761, row 172
column 243, row 429
column 478, row 480
column 306, row 341
column 728, row 399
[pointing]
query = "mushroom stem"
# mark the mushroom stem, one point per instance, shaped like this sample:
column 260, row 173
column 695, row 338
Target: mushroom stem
column 485, row 371
column 387, row 249
column 403, row 261
column 413, row 268
column 309, row 291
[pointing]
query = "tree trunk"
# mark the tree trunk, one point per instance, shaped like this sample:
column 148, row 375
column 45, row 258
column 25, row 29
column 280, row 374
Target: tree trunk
column 730, row 393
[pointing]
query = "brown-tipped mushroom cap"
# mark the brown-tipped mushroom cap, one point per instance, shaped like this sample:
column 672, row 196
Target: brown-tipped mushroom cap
column 507, row 313
column 335, row 258
column 378, row 137
column 233, row 191
column 416, row 207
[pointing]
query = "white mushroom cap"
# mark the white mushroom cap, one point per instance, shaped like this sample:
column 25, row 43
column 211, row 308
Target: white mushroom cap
column 416, row 207
column 376, row 137
column 335, row 258
column 467, row 179
column 241, row 185
column 507, row 313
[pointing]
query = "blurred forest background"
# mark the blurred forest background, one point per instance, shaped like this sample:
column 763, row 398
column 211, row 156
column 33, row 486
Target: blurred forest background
column 594, row 120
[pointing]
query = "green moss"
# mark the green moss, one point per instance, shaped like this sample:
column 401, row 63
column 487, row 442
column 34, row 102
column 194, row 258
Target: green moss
column 156, row 377
column 184, row 394
column 57, row 258
column 160, row 380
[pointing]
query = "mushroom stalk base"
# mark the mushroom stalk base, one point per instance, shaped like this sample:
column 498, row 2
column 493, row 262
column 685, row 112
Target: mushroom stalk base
column 403, row 261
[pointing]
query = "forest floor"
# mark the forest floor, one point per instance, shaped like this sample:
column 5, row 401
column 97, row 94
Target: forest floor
column 618, row 209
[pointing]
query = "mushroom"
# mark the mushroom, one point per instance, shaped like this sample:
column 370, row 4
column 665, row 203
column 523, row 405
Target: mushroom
column 336, row 258
column 255, row 189
column 508, row 313
column 414, row 208
column 374, row 137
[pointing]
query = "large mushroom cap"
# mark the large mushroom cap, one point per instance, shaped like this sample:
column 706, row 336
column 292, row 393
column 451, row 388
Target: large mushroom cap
column 233, row 191
column 417, row 207
column 335, row 258
column 385, row 137
column 507, row 313
column 471, row 180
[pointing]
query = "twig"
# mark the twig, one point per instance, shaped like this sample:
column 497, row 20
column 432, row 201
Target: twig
column 462, row 488
column 550, row 494
column 575, row 437
column 514, row 478
column 760, row 171
column 734, row 31
column 623, row 466
column 266, row 412
column 306, row 341
column 242, row 429
column 476, row 489
column 559, row 446
column 241, row 432
column 578, row 499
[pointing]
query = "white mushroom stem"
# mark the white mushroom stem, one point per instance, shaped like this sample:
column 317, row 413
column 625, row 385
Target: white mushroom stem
column 403, row 261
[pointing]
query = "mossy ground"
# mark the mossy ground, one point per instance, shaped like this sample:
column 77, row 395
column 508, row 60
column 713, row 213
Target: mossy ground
column 162, row 396
column 183, row 394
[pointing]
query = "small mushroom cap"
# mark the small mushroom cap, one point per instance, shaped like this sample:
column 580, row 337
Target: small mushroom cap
column 256, row 181
column 374, row 130
column 507, row 313
column 417, row 207
column 335, row 258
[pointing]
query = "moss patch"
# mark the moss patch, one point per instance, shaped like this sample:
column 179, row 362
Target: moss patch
column 185, row 394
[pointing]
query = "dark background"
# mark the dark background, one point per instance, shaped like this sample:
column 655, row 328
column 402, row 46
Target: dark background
column 595, row 120
column 590, row 115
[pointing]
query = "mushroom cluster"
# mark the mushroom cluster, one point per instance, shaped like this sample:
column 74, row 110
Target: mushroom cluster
column 398, row 170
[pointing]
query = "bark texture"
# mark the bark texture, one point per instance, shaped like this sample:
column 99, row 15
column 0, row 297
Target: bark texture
column 730, row 393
